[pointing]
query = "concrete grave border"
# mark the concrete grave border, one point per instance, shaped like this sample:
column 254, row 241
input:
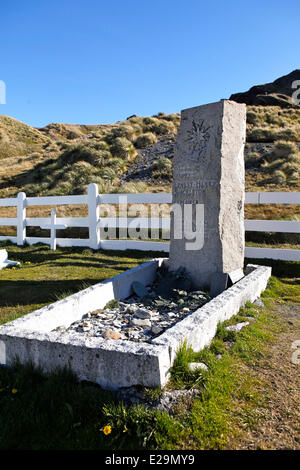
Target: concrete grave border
column 5, row 262
column 116, row 364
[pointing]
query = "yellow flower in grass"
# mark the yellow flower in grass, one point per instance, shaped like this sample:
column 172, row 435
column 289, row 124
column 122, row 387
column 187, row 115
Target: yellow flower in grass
column 14, row 391
column 107, row 430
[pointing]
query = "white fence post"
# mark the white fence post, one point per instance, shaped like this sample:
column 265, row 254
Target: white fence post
column 53, row 230
column 93, row 208
column 21, row 216
column 53, row 226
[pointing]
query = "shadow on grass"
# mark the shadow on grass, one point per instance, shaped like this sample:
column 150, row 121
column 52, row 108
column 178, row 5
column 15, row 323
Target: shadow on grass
column 54, row 411
column 41, row 252
column 295, row 282
column 287, row 269
column 50, row 411
column 21, row 292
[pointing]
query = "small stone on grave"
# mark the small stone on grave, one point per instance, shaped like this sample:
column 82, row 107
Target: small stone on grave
column 237, row 327
column 259, row 303
column 139, row 322
column 142, row 313
column 111, row 334
column 156, row 330
column 193, row 366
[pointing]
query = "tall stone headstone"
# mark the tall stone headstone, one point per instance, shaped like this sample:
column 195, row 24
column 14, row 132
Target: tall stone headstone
column 208, row 186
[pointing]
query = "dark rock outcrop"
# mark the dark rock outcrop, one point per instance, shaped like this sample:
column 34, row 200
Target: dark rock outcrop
column 277, row 93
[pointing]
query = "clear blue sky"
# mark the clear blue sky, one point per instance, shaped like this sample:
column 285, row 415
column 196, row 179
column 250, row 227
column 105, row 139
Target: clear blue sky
column 96, row 61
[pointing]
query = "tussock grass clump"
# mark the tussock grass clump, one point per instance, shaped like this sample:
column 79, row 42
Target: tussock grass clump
column 164, row 127
column 253, row 118
column 271, row 123
column 284, row 148
column 145, row 140
column 150, row 121
column 108, row 174
column 175, row 118
column 117, row 163
column 122, row 148
column 94, row 153
column 162, row 169
column 181, row 376
column 253, row 160
column 288, row 134
column 283, row 163
column 271, row 167
column 132, row 187
column 278, row 177
column 160, row 125
column 120, row 131
column 290, row 168
column 262, row 134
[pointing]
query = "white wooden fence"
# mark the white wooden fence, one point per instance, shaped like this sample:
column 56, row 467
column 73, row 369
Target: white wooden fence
column 93, row 222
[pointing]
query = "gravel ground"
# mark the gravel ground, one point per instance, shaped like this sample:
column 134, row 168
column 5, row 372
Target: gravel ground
column 132, row 320
column 141, row 170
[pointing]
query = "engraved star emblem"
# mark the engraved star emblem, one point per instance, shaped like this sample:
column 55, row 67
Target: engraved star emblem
column 198, row 135
column 197, row 138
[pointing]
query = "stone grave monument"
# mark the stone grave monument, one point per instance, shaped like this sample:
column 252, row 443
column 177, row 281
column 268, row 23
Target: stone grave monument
column 208, row 195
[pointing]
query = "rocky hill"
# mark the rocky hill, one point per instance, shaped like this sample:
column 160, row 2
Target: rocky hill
column 277, row 93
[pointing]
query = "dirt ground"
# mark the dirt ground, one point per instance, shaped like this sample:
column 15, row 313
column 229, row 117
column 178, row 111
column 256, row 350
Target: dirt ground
column 278, row 421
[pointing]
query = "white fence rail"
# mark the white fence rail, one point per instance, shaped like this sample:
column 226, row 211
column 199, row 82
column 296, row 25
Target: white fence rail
column 93, row 222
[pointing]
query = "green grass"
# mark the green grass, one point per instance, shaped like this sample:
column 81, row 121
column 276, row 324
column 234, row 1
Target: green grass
column 214, row 418
column 54, row 411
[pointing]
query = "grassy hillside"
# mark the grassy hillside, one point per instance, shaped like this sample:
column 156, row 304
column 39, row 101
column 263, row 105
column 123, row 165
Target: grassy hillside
column 17, row 139
column 68, row 157
column 64, row 158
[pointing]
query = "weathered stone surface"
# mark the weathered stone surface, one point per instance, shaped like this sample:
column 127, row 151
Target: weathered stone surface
column 140, row 322
column 237, row 327
column 139, row 289
column 142, row 313
column 259, row 303
column 236, row 275
column 193, row 366
column 165, row 402
column 209, row 171
column 155, row 330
